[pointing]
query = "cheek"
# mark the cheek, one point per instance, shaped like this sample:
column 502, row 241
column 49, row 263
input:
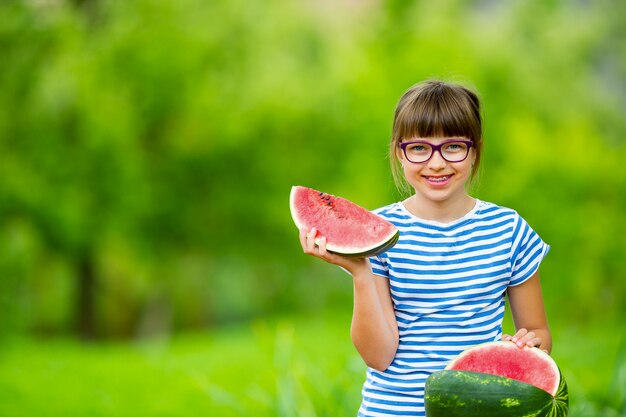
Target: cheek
column 472, row 159
column 465, row 171
column 412, row 173
column 408, row 167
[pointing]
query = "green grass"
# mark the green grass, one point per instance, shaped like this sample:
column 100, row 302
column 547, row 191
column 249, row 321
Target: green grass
column 274, row 367
column 291, row 366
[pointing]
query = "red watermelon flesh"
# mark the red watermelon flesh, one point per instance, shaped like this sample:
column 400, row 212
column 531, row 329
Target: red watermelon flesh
column 503, row 358
column 348, row 228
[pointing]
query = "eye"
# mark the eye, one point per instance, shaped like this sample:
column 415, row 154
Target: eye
column 455, row 147
column 417, row 148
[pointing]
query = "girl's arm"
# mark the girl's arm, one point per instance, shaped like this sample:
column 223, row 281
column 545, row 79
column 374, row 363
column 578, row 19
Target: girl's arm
column 374, row 329
column 529, row 315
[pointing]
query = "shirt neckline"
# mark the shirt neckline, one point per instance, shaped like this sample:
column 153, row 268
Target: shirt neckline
column 436, row 223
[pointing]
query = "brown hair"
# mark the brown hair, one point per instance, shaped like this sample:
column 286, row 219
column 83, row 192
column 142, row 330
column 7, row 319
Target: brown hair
column 436, row 108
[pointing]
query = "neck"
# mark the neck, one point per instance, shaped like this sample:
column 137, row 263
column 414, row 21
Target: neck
column 440, row 211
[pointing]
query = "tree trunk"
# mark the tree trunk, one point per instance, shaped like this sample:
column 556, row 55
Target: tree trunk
column 85, row 297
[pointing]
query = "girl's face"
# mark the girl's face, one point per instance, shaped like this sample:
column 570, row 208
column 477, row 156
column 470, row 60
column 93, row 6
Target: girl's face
column 437, row 179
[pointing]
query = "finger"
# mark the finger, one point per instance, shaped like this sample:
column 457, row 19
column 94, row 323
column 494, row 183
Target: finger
column 302, row 237
column 526, row 338
column 519, row 334
column 506, row 337
column 322, row 246
column 310, row 240
column 535, row 341
column 517, row 337
column 304, row 240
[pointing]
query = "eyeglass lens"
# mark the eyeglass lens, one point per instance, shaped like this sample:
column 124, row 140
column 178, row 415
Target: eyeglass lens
column 423, row 151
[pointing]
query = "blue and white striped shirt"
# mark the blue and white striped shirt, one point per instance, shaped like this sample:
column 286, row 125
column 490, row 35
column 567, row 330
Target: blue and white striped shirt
column 448, row 284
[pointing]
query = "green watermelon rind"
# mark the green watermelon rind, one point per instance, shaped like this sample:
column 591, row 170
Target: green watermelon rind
column 452, row 393
column 375, row 251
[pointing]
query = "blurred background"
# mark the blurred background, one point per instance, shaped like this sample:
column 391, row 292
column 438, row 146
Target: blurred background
column 149, row 265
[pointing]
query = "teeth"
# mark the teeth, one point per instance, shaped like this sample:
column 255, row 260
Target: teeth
column 438, row 179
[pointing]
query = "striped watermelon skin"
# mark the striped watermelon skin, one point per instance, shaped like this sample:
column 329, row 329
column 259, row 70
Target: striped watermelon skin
column 452, row 393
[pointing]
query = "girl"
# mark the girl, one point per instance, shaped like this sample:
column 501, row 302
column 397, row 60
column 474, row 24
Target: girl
column 442, row 288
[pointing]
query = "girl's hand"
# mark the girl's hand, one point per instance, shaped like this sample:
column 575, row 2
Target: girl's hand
column 523, row 338
column 307, row 240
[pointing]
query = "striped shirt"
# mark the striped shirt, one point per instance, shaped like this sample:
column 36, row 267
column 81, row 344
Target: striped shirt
column 448, row 284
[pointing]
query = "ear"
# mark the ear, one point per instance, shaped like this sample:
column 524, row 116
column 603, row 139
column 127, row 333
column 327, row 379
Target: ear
column 400, row 155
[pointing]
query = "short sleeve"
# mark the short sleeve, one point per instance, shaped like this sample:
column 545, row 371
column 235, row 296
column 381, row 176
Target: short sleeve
column 527, row 252
column 380, row 266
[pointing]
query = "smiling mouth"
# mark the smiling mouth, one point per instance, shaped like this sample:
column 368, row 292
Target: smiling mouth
column 441, row 180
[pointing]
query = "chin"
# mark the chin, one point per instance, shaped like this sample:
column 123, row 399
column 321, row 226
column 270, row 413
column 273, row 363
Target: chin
column 439, row 196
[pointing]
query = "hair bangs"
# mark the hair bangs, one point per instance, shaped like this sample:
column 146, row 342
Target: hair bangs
column 437, row 115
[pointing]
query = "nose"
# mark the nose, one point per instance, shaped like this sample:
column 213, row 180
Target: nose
column 436, row 161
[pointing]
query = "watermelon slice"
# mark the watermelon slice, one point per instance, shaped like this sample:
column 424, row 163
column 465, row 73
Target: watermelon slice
column 498, row 379
column 348, row 228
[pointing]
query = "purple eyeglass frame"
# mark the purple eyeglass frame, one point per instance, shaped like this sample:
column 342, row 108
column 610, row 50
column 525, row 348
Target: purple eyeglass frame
column 436, row 148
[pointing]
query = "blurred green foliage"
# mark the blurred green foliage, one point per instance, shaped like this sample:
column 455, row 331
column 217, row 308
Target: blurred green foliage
column 147, row 148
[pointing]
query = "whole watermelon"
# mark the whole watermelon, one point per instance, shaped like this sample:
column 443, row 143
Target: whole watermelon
column 498, row 379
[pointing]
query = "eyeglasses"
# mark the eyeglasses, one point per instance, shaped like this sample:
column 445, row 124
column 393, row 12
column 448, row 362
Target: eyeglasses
column 420, row 151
